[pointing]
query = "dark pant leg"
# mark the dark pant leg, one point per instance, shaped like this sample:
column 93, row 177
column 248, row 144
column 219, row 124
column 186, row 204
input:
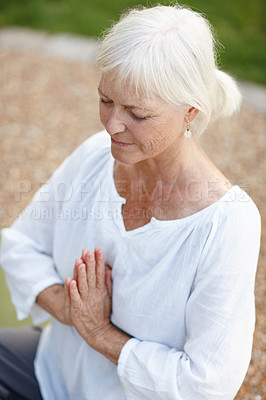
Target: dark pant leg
column 17, row 352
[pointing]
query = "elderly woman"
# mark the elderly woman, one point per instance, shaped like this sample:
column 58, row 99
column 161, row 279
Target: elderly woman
column 140, row 249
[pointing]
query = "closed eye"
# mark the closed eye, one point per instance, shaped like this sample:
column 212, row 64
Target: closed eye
column 134, row 116
column 138, row 118
column 105, row 101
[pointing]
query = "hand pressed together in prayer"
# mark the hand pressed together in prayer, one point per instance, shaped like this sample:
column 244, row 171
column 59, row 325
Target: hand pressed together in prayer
column 85, row 302
column 88, row 296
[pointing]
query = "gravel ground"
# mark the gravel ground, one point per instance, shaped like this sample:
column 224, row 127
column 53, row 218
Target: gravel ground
column 48, row 107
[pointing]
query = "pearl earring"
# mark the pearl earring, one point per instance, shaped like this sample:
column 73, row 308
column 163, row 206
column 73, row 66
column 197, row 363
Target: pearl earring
column 187, row 132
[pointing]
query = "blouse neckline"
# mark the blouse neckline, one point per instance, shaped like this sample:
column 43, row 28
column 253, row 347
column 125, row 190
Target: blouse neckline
column 154, row 222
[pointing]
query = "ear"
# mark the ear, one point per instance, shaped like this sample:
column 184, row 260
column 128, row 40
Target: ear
column 191, row 114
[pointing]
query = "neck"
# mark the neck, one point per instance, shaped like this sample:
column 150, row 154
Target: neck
column 169, row 167
column 179, row 184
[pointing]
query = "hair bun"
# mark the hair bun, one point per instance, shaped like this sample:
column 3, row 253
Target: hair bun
column 228, row 97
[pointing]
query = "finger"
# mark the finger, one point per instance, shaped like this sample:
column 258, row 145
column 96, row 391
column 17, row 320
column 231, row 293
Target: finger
column 100, row 267
column 82, row 281
column 108, row 280
column 84, row 254
column 78, row 261
column 66, row 287
column 74, row 293
column 90, row 265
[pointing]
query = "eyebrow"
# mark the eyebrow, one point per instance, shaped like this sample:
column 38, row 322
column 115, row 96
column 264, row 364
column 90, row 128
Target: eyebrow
column 131, row 106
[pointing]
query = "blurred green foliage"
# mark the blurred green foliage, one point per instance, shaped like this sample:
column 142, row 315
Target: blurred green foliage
column 240, row 25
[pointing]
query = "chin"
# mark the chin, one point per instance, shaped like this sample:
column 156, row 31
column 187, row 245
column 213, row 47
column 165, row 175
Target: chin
column 124, row 157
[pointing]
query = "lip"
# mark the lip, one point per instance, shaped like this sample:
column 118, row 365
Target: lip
column 121, row 144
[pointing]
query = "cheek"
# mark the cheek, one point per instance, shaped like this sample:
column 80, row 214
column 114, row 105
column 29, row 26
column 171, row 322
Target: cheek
column 161, row 136
column 158, row 134
column 103, row 114
column 157, row 143
column 150, row 138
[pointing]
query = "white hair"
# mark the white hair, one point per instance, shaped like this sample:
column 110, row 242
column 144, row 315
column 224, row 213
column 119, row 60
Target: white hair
column 169, row 52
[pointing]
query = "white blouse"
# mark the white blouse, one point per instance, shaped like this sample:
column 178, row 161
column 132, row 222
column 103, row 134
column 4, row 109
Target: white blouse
column 183, row 289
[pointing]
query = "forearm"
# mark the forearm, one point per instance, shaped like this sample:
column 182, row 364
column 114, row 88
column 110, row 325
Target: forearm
column 110, row 343
column 52, row 300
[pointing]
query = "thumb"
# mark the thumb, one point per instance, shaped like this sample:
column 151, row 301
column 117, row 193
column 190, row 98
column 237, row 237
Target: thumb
column 108, row 279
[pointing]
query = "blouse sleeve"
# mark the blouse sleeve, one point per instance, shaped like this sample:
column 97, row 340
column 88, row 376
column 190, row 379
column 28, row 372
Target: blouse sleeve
column 27, row 246
column 220, row 320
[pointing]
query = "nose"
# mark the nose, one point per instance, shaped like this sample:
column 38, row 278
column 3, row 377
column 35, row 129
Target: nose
column 114, row 122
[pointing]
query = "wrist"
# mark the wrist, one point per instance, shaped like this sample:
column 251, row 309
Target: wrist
column 52, row 300
column 109, row 342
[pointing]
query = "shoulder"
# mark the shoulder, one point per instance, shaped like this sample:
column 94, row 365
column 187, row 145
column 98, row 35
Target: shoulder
column 95, row 144
column 233, row 238
column 85, row 157
column 233, row 214
column 236, row 220
column 236, row 210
